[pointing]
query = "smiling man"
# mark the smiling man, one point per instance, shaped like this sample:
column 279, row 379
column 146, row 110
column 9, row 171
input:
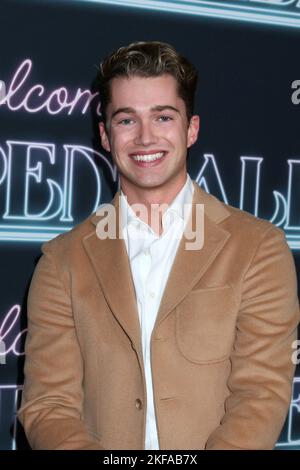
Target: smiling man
column 135, row 341
column 149, row 139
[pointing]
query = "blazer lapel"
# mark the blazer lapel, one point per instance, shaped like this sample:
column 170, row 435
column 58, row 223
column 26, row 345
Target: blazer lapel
column 110, row 262
column 190, row 265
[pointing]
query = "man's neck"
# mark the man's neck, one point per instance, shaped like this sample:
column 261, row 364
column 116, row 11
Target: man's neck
column 153, row 201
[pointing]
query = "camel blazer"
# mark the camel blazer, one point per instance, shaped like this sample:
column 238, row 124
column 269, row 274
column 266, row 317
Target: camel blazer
column 221, row 348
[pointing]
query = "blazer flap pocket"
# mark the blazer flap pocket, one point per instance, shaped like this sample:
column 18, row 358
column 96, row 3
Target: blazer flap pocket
column 206, row 324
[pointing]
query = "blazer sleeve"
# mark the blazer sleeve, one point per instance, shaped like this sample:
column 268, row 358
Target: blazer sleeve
column 262, row 369
column 52, row 401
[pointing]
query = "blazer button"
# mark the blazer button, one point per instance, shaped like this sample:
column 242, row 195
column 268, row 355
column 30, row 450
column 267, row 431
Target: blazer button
column 138, row 404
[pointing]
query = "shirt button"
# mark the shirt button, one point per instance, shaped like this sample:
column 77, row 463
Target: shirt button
column 138, row 404
column 152, row 294
column 147, row 252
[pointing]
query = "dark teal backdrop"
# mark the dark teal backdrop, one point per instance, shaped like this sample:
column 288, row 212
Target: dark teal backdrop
column 53, row 172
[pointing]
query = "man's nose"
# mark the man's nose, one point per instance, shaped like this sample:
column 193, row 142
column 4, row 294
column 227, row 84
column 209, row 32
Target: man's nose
column 145, row 134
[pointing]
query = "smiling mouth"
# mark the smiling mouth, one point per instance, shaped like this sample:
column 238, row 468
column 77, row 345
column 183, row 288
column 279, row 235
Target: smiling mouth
column 151, row 157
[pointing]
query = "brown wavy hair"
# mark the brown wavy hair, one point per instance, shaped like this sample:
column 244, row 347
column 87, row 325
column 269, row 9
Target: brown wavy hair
column 148, row 59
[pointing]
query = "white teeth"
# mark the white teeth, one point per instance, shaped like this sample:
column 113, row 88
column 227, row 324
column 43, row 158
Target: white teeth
column 148, row 158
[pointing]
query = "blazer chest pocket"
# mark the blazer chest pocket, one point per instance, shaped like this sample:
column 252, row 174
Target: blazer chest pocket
column 206, row 324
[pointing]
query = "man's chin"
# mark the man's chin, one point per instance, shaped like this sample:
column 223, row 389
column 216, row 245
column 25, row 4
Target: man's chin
column 149, row 184
column 142, row 183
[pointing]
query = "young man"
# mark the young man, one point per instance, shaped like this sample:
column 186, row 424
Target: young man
column 136, row 341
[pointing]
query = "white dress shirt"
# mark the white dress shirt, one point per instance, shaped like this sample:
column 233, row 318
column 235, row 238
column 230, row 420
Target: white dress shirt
column 151, row 257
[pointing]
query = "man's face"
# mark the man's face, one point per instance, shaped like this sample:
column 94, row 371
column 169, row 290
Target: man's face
column 148, row 132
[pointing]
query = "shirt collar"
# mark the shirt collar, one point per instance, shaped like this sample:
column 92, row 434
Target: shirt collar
column 177, row 206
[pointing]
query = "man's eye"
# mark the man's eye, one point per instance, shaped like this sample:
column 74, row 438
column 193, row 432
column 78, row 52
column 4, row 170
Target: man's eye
column 165, row 118
column 125, row 121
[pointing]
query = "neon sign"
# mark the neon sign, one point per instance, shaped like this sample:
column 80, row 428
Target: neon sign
column 286, row 206
column 17, row 96
column 290, row 437
column 271, row 12
column 10, row 398
column 8, row 343
column 44, row 173
column 33, row 163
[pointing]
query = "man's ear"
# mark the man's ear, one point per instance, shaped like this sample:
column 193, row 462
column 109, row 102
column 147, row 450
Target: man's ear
column 104, row 137
column 193, row 130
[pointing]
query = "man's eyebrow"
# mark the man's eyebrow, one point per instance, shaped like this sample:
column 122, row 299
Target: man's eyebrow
column 122, row 110
column 164, row 107
column 129, row 110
